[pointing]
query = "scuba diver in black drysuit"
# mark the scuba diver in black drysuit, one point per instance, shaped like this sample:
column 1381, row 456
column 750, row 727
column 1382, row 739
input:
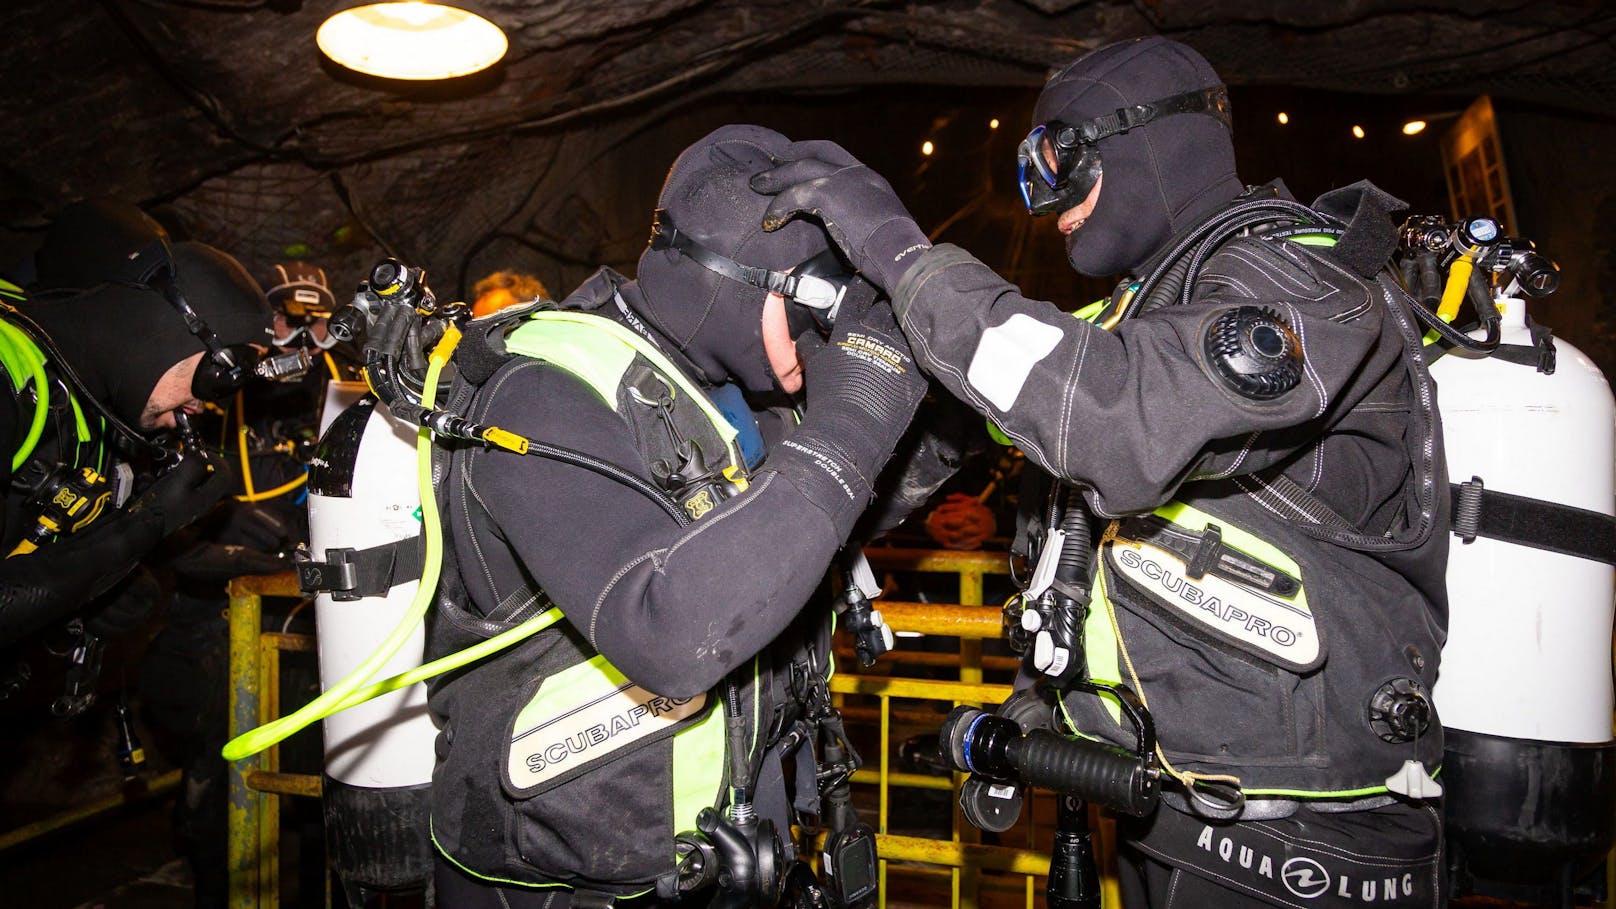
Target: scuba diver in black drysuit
column 96, row 309
column 691, row 645
column 1250, row 420
column 96, row 305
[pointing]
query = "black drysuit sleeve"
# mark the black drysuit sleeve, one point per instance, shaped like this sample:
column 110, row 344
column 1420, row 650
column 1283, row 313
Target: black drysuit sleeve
column 674, row 607
column 1135, row 412
column 53, row 582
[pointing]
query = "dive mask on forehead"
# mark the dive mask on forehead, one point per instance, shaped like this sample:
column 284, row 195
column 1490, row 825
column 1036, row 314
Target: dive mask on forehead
column 1059, row 163
column 817, row 284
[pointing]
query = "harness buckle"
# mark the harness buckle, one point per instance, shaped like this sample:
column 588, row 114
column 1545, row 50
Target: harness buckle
column 338, row 576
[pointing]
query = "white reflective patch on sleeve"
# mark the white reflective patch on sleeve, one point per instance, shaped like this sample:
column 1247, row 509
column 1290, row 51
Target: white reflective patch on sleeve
column 1006, row 355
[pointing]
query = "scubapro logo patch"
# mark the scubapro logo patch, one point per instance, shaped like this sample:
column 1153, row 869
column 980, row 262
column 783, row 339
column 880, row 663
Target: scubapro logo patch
column 1266, row 625
column 1304, row 877
column 552, row 744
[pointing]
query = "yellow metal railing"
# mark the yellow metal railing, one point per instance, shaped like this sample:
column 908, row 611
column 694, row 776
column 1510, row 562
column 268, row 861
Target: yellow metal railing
column 256, row 783
column 972, row 623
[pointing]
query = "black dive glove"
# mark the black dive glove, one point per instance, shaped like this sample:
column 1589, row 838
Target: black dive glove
column 862, row 389
column 857, row 206
column 185, row 492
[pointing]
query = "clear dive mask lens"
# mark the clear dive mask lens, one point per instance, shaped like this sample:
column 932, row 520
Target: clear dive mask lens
column 1055, row 168
column 1058, row 163
column 303, row 336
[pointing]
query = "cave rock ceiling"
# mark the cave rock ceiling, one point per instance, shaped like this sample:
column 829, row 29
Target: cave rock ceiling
column 221, row 116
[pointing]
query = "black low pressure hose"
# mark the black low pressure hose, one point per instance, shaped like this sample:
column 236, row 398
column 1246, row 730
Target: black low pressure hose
column 382, row 373
column 1428, row 279
column 994, row 746
column 1073, row 566
column 1245, row 214
column 1068, row 596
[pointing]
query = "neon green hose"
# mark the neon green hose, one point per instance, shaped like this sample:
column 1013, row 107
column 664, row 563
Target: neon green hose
column 348, row 692
column 334, row 698
column 454, row 660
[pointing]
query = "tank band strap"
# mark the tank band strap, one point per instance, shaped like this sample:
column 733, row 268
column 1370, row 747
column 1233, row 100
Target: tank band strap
column 353, row 574
column 1482, row 512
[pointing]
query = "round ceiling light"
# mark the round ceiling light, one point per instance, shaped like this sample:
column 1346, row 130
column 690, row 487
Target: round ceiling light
column 411, row 40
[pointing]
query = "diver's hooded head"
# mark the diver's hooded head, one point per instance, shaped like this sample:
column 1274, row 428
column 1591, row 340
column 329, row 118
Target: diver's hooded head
column 121, row 338
column 96, row 241
column 717, row 321
column 1157, row 179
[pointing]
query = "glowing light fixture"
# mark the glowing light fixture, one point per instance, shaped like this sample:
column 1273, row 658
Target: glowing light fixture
column 1284, row 118
column 411, row 40
column 994, row 123
column 927, row 148
column 1413, row 127
column 1357, row 131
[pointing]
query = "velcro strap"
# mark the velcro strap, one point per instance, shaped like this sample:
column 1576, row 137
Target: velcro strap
column 1550, row 526
column 350, row 574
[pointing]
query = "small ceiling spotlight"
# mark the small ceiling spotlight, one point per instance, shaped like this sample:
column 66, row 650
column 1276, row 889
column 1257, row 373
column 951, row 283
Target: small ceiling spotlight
column 994, row 123
column 1284, row 118
column 1413, row 127
column 1357, row 131
column 411, row 40
column 927, row 148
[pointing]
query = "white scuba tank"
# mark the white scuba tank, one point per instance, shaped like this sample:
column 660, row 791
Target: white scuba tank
column 1528, row 654
column 386, row 742
column 378, row 754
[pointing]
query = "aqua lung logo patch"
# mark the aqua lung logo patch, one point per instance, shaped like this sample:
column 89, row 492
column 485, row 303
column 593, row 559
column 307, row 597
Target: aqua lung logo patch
column 1265, row 868
column 1305, row 877
column 1269, row 626
column 550, row 746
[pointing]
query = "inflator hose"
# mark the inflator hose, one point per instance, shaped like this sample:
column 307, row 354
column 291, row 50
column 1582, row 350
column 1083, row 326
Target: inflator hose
column 1103, row 774
column 338, row 696
column 1069, row 593
column 994, row 746
column 348, row 693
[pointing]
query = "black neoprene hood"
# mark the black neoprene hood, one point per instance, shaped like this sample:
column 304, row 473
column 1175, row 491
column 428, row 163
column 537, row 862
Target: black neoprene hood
column 716, row 321
column 1157, row 178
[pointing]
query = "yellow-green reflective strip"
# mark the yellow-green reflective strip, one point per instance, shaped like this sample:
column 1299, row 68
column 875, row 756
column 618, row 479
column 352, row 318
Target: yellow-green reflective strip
column 570, row 687
column 636, row 344
column 595, row 357
column 1090, row 312
column 81, row 427
column 8, row 289
column 1235, row 538
column 1100, row 641
column 998, row 435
